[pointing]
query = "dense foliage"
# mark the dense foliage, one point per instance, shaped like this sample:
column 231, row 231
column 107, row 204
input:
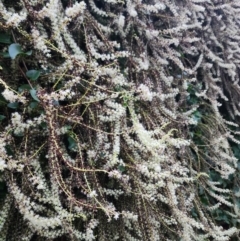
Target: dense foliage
column 119, row 120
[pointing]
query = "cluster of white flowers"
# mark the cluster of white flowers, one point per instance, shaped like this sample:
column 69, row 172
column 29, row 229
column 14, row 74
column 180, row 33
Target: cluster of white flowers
column 16, row 19
column 61, row 131
column 38, row 182
column 37, row 222
column 169, row 112
column 200, row 59
column 219, row 234
column 167, row 96
column 129, row 215
column 113, row 111
column 150, row 34
column 39, row 42
column 41, row 223
column 97, row 10
column 113, row 192
column 220, row 198
column 131, row 9
column 20, row 126
column 13, row 97
column 115, row 174
column 51, row 10
column 15, row 165
column 121, row 21
column 92, row 194
column 97, row 55
column 191, row 121
column 89, row 231
column 78, row 53
column 12, row 18
column 178, row 143
column 143, row 62
column 17, row 122
column 146, row 138
column 144, row 92
column 63, row 94
column 154, row 8
column 225, row 169
column 77, row 8
column 156, row 167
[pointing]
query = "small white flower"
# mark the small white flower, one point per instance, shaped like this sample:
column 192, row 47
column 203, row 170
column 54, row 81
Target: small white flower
column 92, row 194
column 121, row 21
column 157, row 167
column 116, row 216
column 40, row 186
column 2, row 164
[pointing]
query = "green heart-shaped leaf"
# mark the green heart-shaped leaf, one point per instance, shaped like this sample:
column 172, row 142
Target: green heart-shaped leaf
column 33, row 74
column 33, row 93
column 14, row 50
column 24, row 87
column 13, row 105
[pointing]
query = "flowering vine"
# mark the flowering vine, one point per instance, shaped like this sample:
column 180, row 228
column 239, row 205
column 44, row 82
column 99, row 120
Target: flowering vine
column 114, row 123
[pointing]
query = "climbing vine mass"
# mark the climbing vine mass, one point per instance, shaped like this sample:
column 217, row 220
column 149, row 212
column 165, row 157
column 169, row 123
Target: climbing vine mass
column 119, row 120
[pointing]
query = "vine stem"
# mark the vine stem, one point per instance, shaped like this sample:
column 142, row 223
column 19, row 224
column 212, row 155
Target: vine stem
column 14, row 38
